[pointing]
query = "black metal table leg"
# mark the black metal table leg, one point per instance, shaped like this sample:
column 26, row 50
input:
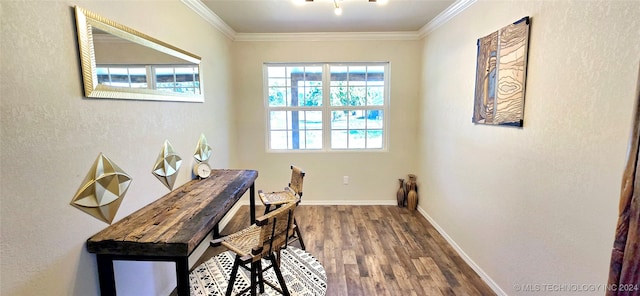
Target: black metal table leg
column 216, row 231
column 182, row 275
column 252, row 202
column 105, row 275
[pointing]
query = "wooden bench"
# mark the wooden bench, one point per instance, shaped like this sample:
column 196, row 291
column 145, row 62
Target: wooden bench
column 171, row 228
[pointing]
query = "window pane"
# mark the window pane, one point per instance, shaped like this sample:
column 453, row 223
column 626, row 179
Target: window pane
column 293, row 70
column 312, row 93
column 120, row 79
column 338, row 73
column 356, row 70
column 314, row 70
column 277, row 96
column 277, row 82
column 300, row 141
column 278, row 120
column 339, row 120
column 279, row 140
column 299, row 117
column 164, row 75
column 139, row 78
column 314, row 120
column 138, row 71
column 375, row 75
column 276, row 71
column 357, row 96
column 119, row 71
column 338, row 96
column 375, row 96
column 164, row 71
column 374, row 119
column 314, row 139
column 375, row 69
column 184, row 74
column 357, row 139
column 339, row 140
column 137, row 84
column 372, row 81
column 374, row 139
column 104, row 79
column 356, row 119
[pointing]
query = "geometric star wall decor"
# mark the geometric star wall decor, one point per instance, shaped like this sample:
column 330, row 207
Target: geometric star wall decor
column 203, row 150
column 102, row 190
column 167, row 165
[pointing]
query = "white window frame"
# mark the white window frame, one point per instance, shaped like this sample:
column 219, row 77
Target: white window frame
column 326, row 107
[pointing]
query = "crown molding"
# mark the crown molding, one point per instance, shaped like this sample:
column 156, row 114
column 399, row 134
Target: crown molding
column 442, row 18
column 327, row 36
column 202, row 10
column 209, row 16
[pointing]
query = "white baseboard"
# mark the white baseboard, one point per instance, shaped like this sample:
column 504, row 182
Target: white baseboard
column 349, row 202
column 340, row 202
column 483, row 275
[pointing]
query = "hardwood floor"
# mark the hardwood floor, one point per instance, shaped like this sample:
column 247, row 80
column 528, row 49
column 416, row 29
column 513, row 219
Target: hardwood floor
column 376, row 250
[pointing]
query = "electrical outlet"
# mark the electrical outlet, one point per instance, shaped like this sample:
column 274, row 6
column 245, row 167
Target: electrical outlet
column 345, row 180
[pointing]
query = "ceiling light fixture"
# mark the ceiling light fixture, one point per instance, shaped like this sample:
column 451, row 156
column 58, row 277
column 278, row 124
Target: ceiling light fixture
column 336, row 7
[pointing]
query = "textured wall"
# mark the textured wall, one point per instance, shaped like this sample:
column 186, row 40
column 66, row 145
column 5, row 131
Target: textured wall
column 372, row 175
column 536, row 205
column 51, row 134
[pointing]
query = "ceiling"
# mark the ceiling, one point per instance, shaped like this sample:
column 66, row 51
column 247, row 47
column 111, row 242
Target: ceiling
column 285, row 16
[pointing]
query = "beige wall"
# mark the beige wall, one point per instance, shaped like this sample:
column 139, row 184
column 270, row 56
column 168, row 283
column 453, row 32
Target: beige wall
column 535, row 205
column 51, row 135
column 528, row 206
column 372, row 175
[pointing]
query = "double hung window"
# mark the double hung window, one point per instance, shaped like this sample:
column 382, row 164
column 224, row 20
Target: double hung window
column 334, row 106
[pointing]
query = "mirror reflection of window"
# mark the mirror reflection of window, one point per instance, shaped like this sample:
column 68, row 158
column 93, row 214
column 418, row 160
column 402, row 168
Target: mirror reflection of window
column 180, row 79
column 122, row 76
column 169, row 78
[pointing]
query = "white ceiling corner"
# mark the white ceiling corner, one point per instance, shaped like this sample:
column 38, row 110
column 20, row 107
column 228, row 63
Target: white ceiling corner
column 209, row 16
column 442, row 18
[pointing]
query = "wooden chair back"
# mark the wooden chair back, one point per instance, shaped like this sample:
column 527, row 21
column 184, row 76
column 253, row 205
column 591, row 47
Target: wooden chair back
column 297, row 177
column 276, row 228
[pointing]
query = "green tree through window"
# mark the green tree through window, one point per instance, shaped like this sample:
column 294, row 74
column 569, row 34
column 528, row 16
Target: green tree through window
column 327, row 106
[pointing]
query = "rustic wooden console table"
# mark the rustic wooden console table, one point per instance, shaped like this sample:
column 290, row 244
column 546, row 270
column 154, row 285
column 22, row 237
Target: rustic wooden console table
column 170, row 228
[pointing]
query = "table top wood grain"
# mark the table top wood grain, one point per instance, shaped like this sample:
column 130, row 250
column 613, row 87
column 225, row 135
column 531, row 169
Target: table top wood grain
column 176, row 223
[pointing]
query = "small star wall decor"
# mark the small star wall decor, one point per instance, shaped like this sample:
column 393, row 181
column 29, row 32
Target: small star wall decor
column 102, row 190
column 203, row 150
column 167, row 165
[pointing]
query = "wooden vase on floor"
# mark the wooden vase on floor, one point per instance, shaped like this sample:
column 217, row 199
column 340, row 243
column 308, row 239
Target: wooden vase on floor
column 412, row 196
column 401, row 194
column 412, row 200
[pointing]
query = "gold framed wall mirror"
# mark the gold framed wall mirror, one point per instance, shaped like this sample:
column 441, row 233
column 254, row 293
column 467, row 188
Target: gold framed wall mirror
column 119, row 62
